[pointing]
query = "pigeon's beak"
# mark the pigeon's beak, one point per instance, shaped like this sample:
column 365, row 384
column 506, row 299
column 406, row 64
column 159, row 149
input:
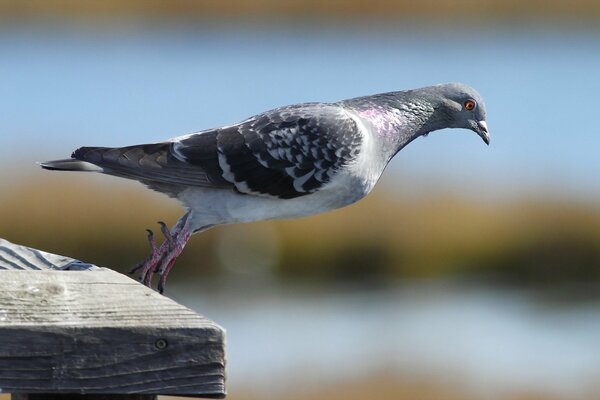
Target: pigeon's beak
column 482, row 130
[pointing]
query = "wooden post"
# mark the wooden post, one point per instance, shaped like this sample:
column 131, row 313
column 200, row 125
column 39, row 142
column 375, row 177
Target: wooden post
column 71, row 330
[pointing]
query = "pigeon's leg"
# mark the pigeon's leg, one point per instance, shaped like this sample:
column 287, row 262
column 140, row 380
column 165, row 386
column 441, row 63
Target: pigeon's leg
column 150, row 263
column 162, row 258
column 169, row 259
column 167, row 233
column 150, row 266
column 180, row 235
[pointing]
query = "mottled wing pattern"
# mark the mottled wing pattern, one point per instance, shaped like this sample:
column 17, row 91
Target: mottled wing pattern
column 285, row 153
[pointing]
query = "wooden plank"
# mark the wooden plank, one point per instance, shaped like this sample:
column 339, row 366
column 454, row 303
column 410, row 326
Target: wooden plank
column 97, row 331
column 75, row 396
column 17, row 257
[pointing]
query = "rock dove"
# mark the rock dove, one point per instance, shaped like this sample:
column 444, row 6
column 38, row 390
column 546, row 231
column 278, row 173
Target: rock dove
column 288, row 162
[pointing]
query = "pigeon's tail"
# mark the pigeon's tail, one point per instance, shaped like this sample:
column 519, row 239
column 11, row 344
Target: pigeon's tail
column 70, row 164
column 152, row 164
column 88, row 159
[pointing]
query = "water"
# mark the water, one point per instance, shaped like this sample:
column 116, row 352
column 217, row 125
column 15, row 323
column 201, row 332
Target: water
column 486, row 339
column 66, row 85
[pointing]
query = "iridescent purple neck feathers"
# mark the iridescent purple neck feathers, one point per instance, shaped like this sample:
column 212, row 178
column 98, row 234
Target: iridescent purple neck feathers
column 395, row 123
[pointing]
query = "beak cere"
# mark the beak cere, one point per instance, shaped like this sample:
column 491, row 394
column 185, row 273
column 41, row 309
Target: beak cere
column 482, row 131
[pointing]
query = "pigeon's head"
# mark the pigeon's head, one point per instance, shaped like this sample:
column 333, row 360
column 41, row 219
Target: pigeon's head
column 459, row 106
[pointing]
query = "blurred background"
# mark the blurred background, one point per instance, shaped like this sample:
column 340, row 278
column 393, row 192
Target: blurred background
column 471, row 272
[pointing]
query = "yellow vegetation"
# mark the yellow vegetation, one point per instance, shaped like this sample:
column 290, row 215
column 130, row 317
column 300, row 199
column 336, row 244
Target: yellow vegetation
column 383, row 236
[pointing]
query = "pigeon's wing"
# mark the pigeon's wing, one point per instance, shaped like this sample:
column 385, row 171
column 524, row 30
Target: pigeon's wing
column 285, row 153
column 152, row 164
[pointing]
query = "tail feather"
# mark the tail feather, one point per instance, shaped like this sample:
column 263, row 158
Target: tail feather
column 70, row 164
column 152, row 164
column 78, row 162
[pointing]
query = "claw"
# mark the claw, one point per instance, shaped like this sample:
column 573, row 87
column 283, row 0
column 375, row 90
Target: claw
column 136, row 267
column 161, row 285
column 163, row 228
column 163, row 277
column 153, row 250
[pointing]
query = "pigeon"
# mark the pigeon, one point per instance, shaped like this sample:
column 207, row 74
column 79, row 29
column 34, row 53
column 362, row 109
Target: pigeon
column 288, row 162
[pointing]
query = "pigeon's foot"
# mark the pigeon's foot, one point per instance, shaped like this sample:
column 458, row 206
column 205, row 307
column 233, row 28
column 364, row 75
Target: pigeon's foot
column 169, row 258
column 162, row 258
column 146, row 265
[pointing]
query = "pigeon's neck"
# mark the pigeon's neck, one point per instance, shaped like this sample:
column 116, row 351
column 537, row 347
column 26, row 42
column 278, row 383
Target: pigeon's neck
column 395, row 122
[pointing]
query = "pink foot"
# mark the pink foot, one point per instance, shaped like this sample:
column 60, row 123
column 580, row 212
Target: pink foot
column 169, row 259
column 162, row 258
column 149, row 264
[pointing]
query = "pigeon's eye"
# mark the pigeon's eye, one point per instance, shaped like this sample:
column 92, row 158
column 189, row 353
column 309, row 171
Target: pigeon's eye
column 470, row 105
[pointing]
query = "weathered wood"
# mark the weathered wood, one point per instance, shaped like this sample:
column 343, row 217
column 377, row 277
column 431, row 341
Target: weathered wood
column 76, row 396
column 17, row 257
column 97, row 331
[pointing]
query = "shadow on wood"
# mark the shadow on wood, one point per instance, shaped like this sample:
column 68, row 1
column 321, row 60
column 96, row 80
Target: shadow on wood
column 71, row 327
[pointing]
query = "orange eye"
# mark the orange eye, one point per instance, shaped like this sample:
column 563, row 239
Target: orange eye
column 470, row 105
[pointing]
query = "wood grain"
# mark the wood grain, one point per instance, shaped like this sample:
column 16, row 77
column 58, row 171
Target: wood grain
column 97, row 331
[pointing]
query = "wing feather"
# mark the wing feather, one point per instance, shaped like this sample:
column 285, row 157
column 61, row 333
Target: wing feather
column 285, row 153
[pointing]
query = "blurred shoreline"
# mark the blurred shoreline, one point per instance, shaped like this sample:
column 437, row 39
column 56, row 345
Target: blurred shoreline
column 542, row 241
column 383, row 10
